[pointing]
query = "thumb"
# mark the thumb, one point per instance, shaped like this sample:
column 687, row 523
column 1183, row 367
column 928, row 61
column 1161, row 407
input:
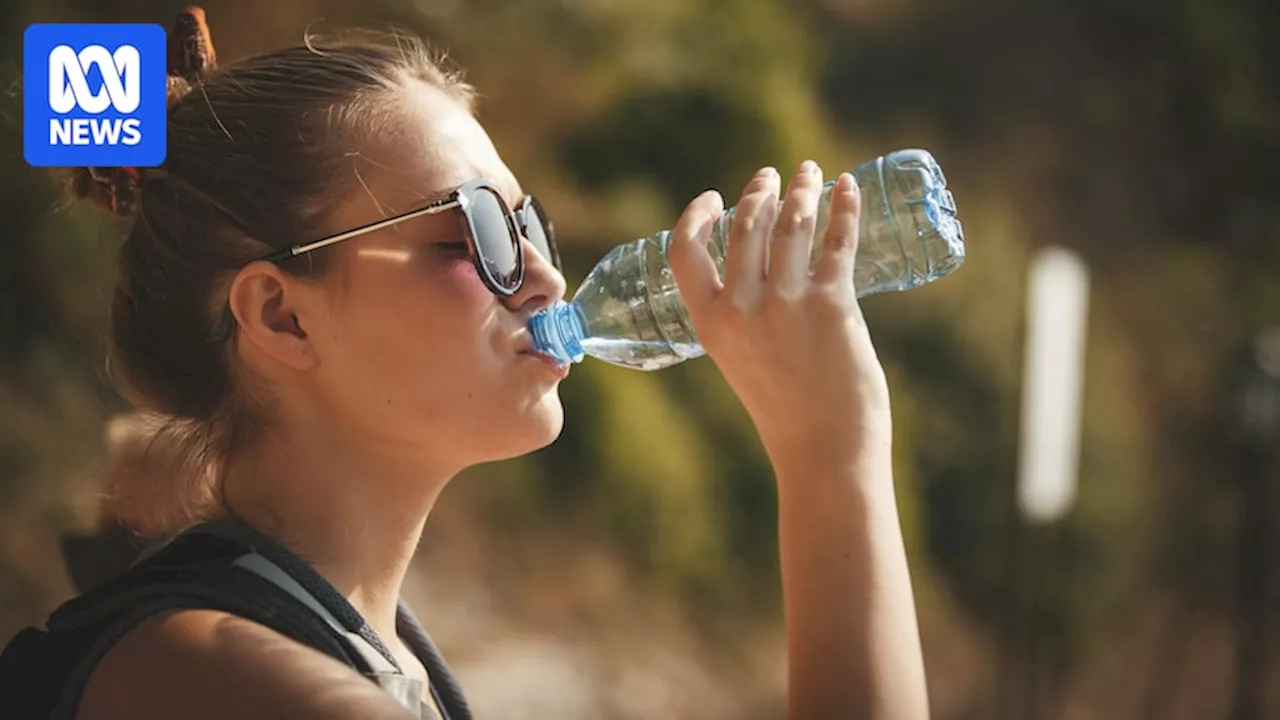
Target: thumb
column 695, row 271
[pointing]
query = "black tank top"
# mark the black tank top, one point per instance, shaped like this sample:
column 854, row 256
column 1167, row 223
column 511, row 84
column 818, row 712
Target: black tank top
column 236, row 569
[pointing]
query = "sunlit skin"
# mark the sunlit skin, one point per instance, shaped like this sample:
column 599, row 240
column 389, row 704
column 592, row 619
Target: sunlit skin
column 384, row 379
column 396, row 372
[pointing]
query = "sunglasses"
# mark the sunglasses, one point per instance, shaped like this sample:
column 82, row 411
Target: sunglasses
column 493, row 233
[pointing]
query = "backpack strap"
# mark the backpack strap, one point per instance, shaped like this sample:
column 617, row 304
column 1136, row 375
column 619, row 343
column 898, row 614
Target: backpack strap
column 43, row 670
column 301, row 580
column 272, row 561
column 444, row 686
column 216, row 566
column 191, row 572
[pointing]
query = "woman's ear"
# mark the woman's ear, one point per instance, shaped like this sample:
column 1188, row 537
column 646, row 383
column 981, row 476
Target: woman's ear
column 267, row 305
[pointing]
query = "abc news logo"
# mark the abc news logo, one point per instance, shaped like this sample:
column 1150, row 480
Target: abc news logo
column 94, row 95
column 120, row 90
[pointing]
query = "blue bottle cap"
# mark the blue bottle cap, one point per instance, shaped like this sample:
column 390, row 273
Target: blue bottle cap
column 557, row 331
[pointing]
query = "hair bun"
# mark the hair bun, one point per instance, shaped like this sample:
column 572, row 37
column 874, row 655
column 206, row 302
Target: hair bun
column 191, row 54
column 114, row 189
column 190, row 57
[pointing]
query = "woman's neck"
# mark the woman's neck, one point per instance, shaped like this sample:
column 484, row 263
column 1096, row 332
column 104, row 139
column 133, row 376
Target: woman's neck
column 354, row 512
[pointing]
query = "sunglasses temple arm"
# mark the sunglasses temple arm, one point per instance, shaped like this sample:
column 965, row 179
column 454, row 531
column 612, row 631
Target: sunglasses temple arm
column 296, row 250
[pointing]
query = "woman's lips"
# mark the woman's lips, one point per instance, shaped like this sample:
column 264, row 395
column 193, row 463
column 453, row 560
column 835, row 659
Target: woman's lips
column 525, row 346
column 561, row 368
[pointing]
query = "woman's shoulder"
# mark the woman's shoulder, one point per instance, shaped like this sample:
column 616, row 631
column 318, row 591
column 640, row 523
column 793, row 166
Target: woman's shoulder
column 208, row 663
column 187, row 632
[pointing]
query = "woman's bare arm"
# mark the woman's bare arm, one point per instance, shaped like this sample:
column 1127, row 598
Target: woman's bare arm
column 794, row 346
column 853, row 648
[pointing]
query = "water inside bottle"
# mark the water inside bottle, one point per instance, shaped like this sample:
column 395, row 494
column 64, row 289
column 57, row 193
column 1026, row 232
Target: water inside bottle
column 647, row 355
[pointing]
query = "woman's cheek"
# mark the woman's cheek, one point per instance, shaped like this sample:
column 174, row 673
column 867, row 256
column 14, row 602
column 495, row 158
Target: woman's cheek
column 461, row 273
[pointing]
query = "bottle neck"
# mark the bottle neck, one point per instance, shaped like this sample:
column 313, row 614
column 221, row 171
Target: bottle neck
column 558, row 331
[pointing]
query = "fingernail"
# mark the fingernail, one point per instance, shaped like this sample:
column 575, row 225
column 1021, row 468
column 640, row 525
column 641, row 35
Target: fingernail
column 847, row 183
column 808, row 167
column 768, row 171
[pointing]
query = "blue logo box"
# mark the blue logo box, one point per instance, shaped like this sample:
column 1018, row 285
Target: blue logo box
column 94, row 95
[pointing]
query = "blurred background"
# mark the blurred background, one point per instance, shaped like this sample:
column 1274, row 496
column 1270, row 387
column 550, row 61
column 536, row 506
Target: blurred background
column 629, row 570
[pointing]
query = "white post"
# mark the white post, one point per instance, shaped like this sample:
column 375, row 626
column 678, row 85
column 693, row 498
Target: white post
column 1053, row 382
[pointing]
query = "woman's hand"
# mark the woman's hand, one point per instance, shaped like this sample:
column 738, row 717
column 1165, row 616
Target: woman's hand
column 794, row 347
column 791, row 343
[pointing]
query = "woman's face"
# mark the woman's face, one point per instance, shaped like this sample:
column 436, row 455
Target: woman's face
column 416, row 351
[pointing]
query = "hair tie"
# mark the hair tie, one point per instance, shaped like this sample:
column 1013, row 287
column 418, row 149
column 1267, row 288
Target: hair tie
column 191, row 54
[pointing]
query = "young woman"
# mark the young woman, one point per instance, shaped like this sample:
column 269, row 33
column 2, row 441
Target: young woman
column 328, row 286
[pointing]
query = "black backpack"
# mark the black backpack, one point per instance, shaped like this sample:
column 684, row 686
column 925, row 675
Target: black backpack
column 219, row 566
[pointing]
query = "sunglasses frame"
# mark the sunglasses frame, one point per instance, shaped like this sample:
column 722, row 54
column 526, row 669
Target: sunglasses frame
column 459, row 199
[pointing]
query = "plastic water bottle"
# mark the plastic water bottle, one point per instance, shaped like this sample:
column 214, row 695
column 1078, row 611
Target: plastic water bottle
column 629, row 312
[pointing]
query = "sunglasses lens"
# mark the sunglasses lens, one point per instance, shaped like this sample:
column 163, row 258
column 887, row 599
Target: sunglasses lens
column 538, row 230
column 493, row 239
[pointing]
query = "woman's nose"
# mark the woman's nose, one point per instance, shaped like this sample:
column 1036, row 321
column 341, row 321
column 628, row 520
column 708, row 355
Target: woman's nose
column 543, row 283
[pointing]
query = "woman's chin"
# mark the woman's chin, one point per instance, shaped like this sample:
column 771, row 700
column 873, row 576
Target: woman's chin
column 546, row 421
column 533, row 429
